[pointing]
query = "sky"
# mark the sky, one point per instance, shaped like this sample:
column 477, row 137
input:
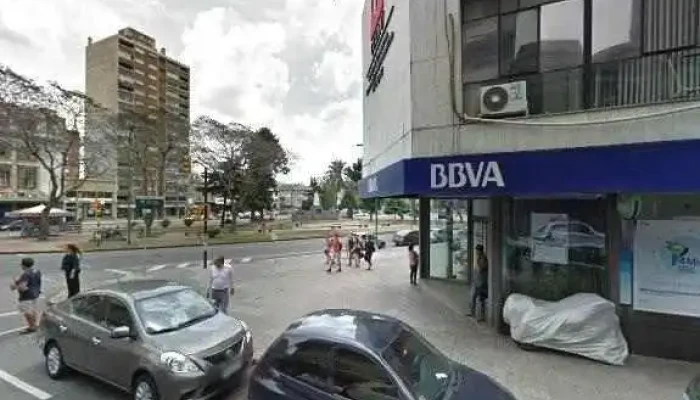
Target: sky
column 292, row 65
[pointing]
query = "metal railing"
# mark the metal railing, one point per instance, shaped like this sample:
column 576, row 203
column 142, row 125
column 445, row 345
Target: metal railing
column 651, row 79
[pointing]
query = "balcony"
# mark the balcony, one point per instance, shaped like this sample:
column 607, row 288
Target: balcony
column 653, row 79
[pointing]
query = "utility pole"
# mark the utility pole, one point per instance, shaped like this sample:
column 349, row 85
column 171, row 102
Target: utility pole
column 129, row 211
column 206, row 216
column 376, row 220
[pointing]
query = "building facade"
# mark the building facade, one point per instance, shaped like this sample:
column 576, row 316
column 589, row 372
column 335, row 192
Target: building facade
column 127, row 74
column 561, row 135
column 290, row 197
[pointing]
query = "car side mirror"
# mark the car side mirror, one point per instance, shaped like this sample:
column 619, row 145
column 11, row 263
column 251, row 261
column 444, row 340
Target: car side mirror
column 120, row 332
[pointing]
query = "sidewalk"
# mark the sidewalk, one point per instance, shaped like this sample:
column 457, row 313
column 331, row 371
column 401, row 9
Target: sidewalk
column 530, row 375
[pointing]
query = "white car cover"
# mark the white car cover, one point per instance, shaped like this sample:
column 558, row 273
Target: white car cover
column 584, row 324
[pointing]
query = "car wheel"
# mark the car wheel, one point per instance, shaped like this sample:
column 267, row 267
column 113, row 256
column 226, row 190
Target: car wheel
column 53, row 361
column 145, row 388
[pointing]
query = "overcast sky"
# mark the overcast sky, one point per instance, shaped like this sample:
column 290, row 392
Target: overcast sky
column 293, row 65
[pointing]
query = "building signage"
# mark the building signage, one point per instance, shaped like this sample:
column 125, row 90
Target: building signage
column 380, row 42
column 458, row 175
column 667, row 267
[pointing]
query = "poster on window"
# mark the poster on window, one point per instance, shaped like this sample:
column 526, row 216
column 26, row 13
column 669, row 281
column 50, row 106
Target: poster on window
column 667, row 267
column 549, row 238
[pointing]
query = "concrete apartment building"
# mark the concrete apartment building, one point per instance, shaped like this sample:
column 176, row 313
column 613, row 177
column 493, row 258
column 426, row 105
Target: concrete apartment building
column 127, row 74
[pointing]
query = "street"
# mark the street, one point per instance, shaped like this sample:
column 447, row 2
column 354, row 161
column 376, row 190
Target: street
column 280, row 282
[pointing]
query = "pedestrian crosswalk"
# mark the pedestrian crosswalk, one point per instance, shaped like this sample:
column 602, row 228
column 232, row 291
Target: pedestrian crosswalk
column 388, row 255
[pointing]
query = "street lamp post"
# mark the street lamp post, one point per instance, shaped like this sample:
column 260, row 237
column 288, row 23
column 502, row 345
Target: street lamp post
column 206, row 216
column 129, row 211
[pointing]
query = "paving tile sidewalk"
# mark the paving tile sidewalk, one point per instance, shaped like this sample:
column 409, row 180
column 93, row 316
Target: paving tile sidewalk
column 287, row 290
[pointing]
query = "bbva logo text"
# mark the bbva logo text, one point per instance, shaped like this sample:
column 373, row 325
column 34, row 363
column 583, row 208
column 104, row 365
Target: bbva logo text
column 458, row 175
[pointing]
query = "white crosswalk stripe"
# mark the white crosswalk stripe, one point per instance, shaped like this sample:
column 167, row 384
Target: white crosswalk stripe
column 183, row 265
column 157, row 267
column 245, row 260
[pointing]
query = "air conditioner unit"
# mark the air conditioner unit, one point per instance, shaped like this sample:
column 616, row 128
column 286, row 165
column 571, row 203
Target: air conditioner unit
column 506, row 99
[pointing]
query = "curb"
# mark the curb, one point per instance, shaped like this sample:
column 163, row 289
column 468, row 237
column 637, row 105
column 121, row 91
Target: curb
column 168, row 246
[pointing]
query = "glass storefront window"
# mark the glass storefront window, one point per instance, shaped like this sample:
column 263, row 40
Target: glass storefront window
column 557, row 248
column 451, row 246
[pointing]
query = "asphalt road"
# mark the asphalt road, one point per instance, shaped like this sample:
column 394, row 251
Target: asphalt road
column 268, row 276
column 9, row 264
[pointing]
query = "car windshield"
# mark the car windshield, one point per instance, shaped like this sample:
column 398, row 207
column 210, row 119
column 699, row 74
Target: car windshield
column 173, row 311
column 424, row 370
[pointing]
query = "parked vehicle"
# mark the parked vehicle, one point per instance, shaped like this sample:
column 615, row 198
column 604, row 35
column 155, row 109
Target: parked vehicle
column 406, row 237
column 371, row 236
column 348, row 354
column 155, row 339
column 13, row 226
column 693, row 390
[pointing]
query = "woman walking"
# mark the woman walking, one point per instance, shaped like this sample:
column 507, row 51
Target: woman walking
column 71, row 267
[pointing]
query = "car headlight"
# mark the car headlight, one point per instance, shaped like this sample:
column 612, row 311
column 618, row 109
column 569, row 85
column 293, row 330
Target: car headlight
column 179, row 363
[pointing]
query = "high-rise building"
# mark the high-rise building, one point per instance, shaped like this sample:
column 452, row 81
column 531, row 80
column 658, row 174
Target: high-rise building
column 128, row 75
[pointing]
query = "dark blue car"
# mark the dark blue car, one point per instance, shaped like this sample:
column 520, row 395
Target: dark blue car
column 357, row 355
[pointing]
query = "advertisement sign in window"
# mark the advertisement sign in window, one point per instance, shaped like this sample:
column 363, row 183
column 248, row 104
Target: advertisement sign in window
column 667, row 267
column 549, row 238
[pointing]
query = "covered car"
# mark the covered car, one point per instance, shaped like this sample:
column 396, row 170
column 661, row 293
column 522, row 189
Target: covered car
column 584, row 324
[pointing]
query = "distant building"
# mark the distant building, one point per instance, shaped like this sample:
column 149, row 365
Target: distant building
column 23, row 181
column 290, row 197
column 127, row 74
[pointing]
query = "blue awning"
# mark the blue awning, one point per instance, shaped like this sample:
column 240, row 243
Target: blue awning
column 654, row 167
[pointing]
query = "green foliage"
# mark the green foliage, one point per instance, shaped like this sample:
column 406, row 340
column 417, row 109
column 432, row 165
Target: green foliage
column 188, row 222
column 213, row 232
column 397, row 207
column 165, row 223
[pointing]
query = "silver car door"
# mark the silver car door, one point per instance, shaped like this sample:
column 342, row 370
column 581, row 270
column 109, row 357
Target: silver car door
column 118, row 358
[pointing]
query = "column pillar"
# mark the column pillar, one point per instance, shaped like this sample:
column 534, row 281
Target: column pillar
column 424, row 235
column 496, row 252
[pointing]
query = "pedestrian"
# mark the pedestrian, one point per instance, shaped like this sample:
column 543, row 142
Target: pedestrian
column 351, row 246
column 480, row 289
column 413, row 264
column 71, row 268
column 357, row 251
column 221, row 284
column 327, row 251
column 369, row 251
column 28, row 287
column 337, row 251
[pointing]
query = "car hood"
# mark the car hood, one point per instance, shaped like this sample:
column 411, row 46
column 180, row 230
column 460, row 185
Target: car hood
column 470, row 384
column 217, row 330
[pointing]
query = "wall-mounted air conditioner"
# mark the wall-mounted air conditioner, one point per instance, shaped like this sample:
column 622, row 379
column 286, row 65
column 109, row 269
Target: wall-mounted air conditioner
column 505, row 99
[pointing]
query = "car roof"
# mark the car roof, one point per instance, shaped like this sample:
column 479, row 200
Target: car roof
column 140, row 288
column 370, row 330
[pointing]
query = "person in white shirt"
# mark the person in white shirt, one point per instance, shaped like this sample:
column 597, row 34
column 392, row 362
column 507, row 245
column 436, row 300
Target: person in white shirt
column 221, row 284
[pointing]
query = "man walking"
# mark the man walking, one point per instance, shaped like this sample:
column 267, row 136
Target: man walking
column 413, row 264
column 221, row 284
column 480, row 289
column 28, row 286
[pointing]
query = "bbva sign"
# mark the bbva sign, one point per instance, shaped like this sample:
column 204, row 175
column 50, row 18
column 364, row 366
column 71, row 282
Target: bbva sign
column 466, row 174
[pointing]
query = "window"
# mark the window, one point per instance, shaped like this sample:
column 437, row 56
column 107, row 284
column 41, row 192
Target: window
column 669, row 24
column 519, row 43
column 475, row 9
column 307, row 361
column 27, row 177
column 5, row 176
column 359, row 378
column 88, row 307
column 480, row 50
column 616, row 29
column 117, row 314
column 423, row 369
column 561, row 35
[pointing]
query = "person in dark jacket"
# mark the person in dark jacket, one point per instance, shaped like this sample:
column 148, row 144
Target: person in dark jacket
column 71, row 267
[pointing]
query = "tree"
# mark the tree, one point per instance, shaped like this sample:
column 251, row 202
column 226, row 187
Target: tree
column 47, row 123
column 264, row 159
column 334, row 180
column 220, row 148
column 396, row 207
column 353, row 175
column 314, row 188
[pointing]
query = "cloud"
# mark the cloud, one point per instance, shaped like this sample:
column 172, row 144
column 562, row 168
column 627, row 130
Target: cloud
column 292, row 65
